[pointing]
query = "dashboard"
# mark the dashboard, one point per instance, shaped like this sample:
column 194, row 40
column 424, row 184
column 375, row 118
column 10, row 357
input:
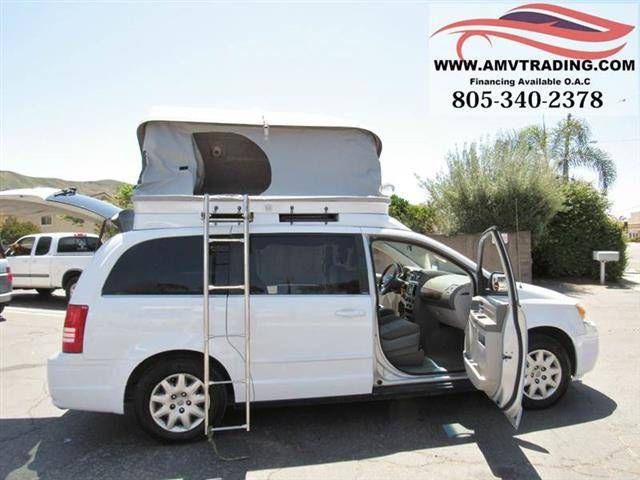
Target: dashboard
column 443, row 295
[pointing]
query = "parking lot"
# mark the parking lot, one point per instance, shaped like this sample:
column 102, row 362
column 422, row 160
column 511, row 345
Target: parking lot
column 593, row 432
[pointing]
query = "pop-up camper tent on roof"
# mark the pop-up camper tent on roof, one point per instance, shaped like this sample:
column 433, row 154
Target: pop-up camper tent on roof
column 193, row 152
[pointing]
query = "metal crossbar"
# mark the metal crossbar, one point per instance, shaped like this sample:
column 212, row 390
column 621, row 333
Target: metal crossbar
column 243, row 216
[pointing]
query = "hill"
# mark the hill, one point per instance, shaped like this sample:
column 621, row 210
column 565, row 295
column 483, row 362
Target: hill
column 10, row 180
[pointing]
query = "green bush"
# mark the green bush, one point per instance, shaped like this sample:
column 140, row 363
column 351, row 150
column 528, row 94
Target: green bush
column 419, row 218
column 565, row 249
column 485, row 184
column 12, row 229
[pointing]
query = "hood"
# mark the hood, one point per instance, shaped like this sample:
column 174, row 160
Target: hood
column 196, row 151
column 29, row 201
column 526, row 291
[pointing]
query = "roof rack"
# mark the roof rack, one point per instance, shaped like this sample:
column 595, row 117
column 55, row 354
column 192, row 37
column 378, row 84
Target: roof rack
column 176, row 211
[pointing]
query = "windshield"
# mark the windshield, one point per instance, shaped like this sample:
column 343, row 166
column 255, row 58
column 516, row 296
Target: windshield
column 386, row 252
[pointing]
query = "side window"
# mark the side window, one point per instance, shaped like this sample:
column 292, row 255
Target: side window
column 21, row 248
column 172, row 266
column 43, row 246
column 297, row 264
column 78, row 244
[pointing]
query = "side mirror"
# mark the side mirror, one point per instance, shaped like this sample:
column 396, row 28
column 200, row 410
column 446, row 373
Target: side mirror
column 498, row 282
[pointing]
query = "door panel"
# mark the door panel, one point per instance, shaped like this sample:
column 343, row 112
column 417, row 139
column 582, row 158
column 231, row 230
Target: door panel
column 311, row 316
column 495, row 337
column 41, row 263
column 19, row 256
column 302, row 346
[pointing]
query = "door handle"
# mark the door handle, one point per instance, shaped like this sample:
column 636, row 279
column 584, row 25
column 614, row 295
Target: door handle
column 350, row 312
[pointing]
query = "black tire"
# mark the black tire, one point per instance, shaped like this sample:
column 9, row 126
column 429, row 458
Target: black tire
column 69, row 284
column 44, row 292
column 550, row 344
column 2, row 305
column 153, row 376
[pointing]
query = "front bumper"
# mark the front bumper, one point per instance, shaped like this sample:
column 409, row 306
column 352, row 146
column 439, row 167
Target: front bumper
column 587, row 347
column 79, row 384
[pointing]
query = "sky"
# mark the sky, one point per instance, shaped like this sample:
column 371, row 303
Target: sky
column 77, row 78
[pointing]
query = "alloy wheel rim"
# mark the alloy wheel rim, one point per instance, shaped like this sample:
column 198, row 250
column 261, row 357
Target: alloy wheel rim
column 177, row 403
column 543, row 374
column 72, row 289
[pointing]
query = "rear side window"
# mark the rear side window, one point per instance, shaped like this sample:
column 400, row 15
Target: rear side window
column 308, row 264
column 280, row 264
column 170, row 266
column 43, row 245
column 79, row 244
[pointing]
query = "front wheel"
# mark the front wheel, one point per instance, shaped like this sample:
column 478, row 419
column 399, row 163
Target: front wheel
column 548, row 372
column 169, row 400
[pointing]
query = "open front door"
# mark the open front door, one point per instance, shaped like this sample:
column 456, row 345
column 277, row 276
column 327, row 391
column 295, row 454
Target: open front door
column 496, row 335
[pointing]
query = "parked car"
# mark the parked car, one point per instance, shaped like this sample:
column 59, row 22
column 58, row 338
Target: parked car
column 6, row 280
column 46, row 261
column 133, row 333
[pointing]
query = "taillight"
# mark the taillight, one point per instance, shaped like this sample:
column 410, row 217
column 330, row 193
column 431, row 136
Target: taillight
column 73, row 333
column 9, row 276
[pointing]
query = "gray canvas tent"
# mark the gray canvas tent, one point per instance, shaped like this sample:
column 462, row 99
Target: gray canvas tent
column 192, row 152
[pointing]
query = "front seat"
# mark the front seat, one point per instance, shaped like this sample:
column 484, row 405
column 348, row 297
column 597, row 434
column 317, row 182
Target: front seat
column 400, row 340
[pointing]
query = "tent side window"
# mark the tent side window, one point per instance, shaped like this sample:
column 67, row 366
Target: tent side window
column 231, row 163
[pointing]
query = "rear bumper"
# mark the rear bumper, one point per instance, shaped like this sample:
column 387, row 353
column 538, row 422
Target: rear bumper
column 79, row 384
column 587, row 348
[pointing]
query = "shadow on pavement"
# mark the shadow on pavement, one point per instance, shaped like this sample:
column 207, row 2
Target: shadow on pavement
column 32, row 299
column 90, row 445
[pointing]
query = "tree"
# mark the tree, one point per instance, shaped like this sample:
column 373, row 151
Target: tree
column 419, row 218
column 505, row 183
column 12, row 229
column 569, row 144
column 123, row 196
column 566, row 246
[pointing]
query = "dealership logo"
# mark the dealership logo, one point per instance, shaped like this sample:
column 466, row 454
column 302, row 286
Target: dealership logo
column 553, row 29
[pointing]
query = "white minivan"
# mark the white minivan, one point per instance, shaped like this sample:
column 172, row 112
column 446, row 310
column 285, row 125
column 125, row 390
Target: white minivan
column 344, row 302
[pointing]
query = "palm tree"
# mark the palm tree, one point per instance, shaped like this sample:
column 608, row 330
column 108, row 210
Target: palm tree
column 568, row 145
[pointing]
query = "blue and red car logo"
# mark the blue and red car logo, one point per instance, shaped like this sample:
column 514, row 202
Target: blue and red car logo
column 557, row 30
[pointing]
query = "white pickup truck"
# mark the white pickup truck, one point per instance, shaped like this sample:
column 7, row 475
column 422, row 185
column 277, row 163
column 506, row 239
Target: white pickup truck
column 46, row 261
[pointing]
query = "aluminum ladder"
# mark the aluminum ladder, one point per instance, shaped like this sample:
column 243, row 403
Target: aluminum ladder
column 244, row 217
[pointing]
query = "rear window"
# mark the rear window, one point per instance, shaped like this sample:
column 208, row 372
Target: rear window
column 78, row 244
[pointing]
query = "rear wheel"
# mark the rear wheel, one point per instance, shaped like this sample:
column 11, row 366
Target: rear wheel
column 169, row 400
column 44, row 292
column 70, row 286
column 548, row 372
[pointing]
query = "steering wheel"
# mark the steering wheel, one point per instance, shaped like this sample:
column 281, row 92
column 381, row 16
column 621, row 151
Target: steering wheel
column 389, row 277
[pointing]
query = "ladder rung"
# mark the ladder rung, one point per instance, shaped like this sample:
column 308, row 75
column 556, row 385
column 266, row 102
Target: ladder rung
column 225, row 382
column 225, row 287
column 226, row 240
column 225, row 220
column 230, row 427
column 213, row 337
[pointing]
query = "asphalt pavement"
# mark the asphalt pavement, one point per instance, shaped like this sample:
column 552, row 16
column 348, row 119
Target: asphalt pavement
column 593, row 432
